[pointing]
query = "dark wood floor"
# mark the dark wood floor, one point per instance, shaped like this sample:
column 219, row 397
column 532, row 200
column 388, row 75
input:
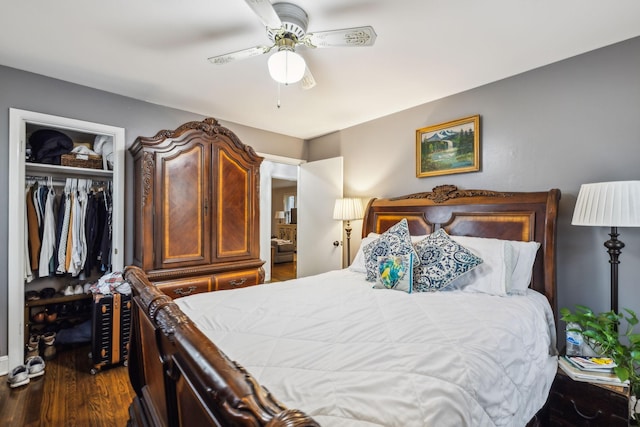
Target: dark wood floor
column 283, row 271
column 68, row 395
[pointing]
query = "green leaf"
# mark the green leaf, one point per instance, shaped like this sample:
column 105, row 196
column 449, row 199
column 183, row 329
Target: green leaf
column 622, row 373
column 633, row 321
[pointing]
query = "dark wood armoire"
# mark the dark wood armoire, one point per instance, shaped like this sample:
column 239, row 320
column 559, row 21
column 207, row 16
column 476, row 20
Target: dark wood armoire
column 196, row 203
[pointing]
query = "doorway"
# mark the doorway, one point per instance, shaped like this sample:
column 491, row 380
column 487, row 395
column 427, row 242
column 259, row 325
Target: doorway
column 284, row 233
column 319, row 183
column 279, row 172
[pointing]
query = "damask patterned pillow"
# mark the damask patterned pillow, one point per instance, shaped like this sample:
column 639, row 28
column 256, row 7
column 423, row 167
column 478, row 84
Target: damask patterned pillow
column 395, row 241
column 442, row 260
column 395, row 272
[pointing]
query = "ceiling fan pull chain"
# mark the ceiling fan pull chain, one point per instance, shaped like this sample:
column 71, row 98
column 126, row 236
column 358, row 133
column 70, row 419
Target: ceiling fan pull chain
column 278, row 100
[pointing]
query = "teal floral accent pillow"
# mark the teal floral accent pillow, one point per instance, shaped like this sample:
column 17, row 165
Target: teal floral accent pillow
column 442, row 260
column 395, row 241
column 395, row 272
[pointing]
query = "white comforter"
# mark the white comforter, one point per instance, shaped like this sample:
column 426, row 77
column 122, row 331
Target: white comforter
column 350, row 355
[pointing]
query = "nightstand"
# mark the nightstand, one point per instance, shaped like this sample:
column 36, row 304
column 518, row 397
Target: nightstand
column 575, row 403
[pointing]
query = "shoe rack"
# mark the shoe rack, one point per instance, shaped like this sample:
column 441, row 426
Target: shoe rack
column 51, row 314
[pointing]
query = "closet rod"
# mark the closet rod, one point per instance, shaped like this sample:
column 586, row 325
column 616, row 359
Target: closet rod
column 63, row 181
column 45, row 179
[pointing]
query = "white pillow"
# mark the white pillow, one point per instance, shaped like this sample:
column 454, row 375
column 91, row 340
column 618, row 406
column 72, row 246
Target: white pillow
column 524, row 255
column 358, row 264
column 493, row 275
column 507, row 267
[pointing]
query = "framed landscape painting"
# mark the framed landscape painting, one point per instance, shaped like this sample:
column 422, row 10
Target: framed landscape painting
column 447, row 148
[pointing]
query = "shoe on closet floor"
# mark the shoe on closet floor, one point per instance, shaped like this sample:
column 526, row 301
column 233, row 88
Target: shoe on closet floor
column 49, row 339
column 32, row 296
column 79, row 289
column 35, row 366
column 33, row 346
column 51, row 313
column 47, row 293
column 68, row 291
column 18, row 376
column 38, row 317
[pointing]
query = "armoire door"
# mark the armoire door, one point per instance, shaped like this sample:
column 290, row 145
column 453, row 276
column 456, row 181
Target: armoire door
column 235, row 227
column 182, row 207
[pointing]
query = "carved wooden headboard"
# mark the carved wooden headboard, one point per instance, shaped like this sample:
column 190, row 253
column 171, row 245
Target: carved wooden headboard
column 525, row 216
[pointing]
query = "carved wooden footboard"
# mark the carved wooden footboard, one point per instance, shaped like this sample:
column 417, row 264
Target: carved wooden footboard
column 182, row 379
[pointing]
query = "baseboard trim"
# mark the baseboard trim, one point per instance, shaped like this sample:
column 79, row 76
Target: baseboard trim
column 4, row 365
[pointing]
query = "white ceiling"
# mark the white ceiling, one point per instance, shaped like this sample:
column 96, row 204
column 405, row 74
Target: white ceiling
column 157, row 50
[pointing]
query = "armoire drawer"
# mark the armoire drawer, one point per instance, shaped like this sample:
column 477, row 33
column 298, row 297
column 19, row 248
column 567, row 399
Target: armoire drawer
column 237, row 279
column 184, row 286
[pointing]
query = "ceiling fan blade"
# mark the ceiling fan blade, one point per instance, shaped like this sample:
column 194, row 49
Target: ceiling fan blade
column 307, row 79
column 347, row 37
column 240, row 54
column 265, row 11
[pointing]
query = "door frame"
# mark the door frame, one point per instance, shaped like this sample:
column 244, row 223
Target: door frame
column 266, row 177
column 18, row 120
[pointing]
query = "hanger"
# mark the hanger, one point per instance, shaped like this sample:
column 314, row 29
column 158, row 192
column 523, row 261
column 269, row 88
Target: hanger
column 43, row 180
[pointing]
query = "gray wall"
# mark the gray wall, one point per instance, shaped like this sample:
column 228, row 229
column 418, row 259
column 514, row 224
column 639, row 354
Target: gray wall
column 33, row 92
column 558, row 126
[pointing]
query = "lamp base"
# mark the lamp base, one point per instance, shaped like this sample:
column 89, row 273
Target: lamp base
column 614, row 248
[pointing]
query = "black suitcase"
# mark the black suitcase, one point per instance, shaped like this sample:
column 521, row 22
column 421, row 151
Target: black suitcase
column 111, row 329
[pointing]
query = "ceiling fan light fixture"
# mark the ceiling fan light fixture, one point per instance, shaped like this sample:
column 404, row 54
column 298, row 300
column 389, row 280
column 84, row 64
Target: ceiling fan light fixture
column 286, row 66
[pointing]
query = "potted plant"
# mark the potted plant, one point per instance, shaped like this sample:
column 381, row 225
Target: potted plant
column 602, row 331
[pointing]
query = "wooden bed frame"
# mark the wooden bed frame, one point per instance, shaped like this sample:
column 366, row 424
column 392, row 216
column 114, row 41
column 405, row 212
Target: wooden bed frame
column 182, row 379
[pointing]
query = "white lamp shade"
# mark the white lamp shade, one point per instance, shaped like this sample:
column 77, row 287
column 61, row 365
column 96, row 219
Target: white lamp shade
column 348, row 209
column 286, row 66
column 608, row 204
column 279, row 215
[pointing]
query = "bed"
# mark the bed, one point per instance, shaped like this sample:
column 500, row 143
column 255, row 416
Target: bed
column 277, row 355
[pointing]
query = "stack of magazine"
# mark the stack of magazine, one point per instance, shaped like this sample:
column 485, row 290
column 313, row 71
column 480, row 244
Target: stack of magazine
column 590, row 369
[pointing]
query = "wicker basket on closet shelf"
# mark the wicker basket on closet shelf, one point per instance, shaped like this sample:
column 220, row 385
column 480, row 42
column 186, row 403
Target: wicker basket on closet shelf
column 81, row 161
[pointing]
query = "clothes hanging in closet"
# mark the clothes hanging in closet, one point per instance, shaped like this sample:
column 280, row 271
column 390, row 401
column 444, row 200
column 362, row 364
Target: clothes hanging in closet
column 48, row 226
column 69, row 231
column 33, row 227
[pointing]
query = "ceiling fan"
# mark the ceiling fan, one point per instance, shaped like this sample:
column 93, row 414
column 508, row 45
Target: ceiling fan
column 286, row 26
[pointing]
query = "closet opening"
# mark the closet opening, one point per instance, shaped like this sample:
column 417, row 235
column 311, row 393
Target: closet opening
column 53, row 259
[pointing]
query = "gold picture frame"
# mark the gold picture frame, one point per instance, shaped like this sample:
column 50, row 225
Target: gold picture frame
column 448, row 148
